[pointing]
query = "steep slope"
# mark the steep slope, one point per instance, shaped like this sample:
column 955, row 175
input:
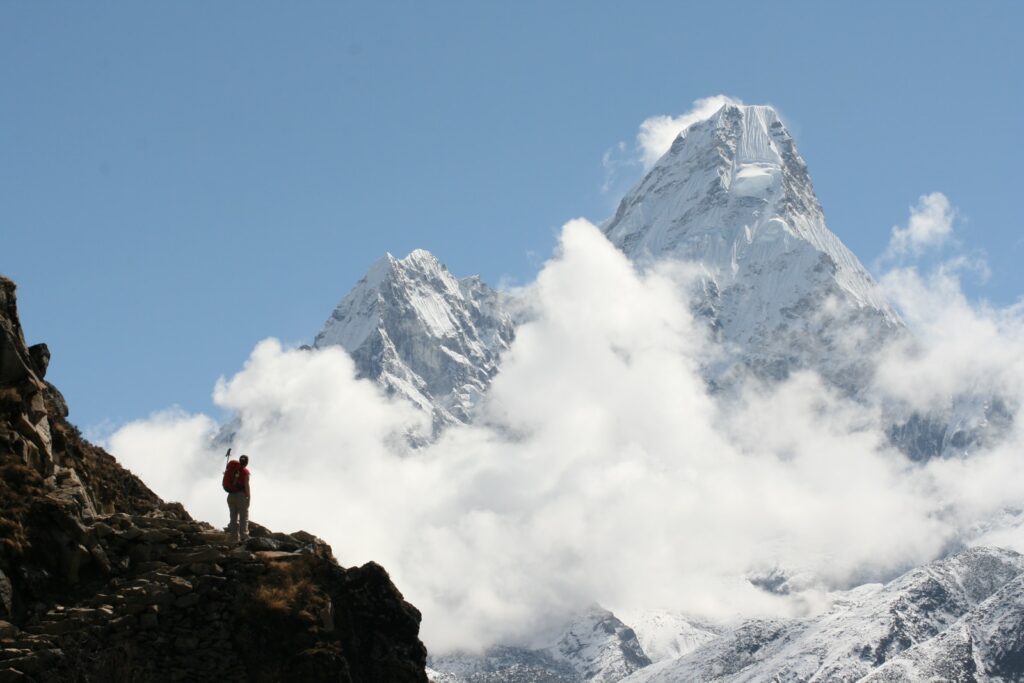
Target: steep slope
column 986, row 644
column 905, row 628
column 782, row 292
column 423, row 334
column 594, row 646
column 665, row 635
column 100, row 580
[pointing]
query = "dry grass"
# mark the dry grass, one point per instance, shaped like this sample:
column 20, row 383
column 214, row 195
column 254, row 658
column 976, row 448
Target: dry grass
column 288, row 587
column 18, row 485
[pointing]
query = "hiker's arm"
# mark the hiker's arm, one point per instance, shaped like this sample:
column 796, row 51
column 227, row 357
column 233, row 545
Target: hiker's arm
column 247, row 494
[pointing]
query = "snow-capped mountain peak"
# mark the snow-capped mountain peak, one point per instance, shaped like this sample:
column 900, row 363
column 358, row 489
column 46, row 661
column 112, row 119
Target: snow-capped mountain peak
column 734, row 196
column 422, row 333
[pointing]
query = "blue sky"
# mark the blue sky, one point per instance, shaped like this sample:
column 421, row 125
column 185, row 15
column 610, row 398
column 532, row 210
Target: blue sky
column 181, row 180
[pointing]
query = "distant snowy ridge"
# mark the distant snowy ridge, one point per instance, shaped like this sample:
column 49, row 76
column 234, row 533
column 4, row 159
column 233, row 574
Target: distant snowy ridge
column 593, row 646
column 958, row 619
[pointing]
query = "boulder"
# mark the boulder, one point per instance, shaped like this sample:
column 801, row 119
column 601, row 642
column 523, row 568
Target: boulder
column 39, row 354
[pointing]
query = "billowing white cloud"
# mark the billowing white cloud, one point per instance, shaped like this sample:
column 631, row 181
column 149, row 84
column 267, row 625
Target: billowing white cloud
column 601, row 469
column 659, row 132
column 930, row 225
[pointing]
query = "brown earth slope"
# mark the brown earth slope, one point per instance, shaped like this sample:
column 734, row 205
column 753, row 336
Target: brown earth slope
column 100, row 580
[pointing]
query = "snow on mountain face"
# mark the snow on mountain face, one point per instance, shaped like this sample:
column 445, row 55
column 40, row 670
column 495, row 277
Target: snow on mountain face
column 423, row 334
column 963, row 613
column 734, row 195
column 600, row 647
column 664, row 634
column 987, row 644
column 595, row 646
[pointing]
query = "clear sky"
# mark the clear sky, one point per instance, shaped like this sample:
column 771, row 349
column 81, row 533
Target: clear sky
column 181, row 180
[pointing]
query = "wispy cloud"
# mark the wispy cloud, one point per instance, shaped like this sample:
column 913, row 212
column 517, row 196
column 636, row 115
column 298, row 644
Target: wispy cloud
column 659, row 132
column 655, row 136
column 930, row 226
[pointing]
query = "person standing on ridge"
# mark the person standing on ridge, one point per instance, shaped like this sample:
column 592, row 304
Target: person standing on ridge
column 236, row 484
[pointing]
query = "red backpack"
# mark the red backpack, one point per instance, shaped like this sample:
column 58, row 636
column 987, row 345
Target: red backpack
column 231, row 475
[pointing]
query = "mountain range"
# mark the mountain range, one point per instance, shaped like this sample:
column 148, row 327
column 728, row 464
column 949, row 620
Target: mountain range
column 779, row 293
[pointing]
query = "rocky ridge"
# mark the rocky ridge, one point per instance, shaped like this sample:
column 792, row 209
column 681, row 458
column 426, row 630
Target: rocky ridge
column 423, row 334
column 101, row 580
column 957, row 619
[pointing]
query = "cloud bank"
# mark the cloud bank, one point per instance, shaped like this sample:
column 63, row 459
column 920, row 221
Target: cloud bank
column 601, row 469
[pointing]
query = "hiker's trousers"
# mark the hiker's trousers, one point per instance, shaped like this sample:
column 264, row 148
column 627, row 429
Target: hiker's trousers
column 238, row 507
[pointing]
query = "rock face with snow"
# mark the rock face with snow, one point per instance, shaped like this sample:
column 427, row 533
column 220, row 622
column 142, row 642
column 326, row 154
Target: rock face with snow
column 423, row 334
column 595, row 646
column 958, row 619
column 780, row 290
column 666, row 635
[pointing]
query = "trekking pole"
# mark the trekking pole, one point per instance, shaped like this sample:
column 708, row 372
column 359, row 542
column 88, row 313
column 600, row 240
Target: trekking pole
column 228, row 454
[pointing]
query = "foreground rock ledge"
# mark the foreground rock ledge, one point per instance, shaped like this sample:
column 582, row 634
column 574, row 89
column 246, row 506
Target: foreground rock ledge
column 100, row 580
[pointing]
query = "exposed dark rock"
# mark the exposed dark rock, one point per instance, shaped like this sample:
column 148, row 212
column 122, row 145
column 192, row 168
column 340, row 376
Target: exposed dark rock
column 101, row 580
column 40, row 356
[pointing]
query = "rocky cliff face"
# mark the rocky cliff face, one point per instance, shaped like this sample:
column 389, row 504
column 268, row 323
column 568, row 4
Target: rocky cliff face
column 100, row 580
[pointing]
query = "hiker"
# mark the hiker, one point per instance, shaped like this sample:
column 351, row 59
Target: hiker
column 236, row 483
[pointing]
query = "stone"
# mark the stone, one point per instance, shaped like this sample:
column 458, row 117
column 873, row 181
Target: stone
column 276, row 556
column 206, row 583
column 142, row 552
column 39, row 355
column 179, row 586
column 102, row 530
column 154, row 536
column 202, row 555
column 6, row 596
column 186, row 643
column 12, row 675
column 148, row 620
column 99, row 556
column 8, row 630
column 59, row 627
column 327, row 616
column 37, row 407
column 28, row 430
column 84, row 613
column 240, row 554
column 306, row 537
column 186, row 601
column 123, row 622
column 264, row 544
column 14, row 360
column 150, row 566
column 213, row 537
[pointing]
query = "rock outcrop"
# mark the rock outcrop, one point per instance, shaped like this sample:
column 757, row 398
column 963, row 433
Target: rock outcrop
column 101, row 580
